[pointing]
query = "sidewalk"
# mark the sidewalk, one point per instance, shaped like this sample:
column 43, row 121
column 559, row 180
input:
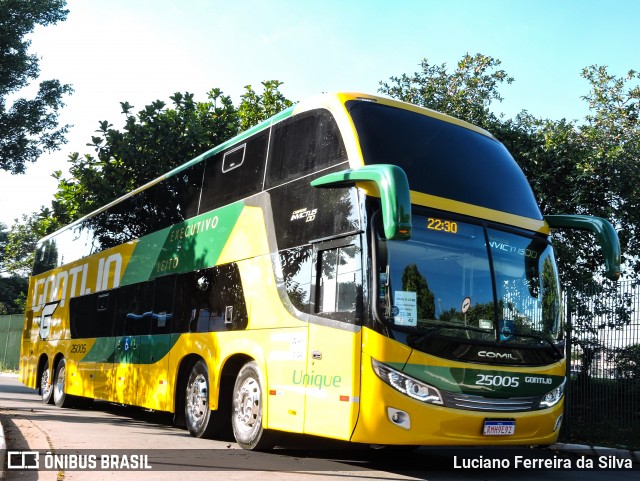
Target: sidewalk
column 597, row 451
column 3, row 443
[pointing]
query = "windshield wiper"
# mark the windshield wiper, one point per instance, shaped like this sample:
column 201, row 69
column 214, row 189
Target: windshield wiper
column 539, row 337
column 434, row 329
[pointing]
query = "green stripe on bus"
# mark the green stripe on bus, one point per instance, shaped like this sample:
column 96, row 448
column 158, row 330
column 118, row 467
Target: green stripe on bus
column 103, row 350
column 190, row 245
column 482, row 382
column 153, row 347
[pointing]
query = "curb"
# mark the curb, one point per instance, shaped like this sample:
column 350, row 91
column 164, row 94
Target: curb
column 597, row 451
column 3, row 450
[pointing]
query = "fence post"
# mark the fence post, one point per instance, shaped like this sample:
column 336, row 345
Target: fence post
column 6, row 341
column 569, row 348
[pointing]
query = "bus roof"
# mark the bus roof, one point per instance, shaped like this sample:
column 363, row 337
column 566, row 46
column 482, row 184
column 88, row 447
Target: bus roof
column 334, row 102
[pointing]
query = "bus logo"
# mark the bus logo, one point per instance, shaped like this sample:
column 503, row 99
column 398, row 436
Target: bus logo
column 309, row 215
column 498, row 355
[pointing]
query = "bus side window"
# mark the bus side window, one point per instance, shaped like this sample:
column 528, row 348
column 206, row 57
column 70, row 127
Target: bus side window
column 227, row 302
column 303, row 144
column 134, row 312
column 339, row 283
column 296, row 271
column 163, row 305
column 234, row 174
column 91, row 315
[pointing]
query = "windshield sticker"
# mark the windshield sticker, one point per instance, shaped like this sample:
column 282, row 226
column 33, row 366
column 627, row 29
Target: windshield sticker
column 507, row 328
column 485, row 324
column 466, row 304
column 509, row 249
column 405, row 308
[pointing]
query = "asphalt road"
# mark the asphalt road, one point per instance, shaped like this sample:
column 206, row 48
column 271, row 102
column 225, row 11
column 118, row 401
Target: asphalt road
column 113, row 436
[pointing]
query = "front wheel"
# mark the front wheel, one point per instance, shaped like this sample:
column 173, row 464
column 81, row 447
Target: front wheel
column 246, row 416
column 198, row 416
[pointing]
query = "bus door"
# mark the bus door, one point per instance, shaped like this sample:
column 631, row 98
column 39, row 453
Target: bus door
column 133, row 320
column 92, row 317
column 153, row 349
column 332, row 377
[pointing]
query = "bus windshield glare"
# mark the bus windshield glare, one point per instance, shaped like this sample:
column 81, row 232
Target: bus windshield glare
column 465, row 281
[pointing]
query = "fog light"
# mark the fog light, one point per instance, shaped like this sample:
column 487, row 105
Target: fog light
column 399, row 418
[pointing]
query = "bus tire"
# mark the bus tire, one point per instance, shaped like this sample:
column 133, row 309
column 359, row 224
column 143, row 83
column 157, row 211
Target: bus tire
column 46, row 386
column 60, row 397
column 247, row 411
column 198, row 416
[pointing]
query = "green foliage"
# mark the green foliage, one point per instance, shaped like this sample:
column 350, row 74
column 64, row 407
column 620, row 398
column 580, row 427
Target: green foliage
column 13, row 286
column 254, row 108
column 27, row 127
column 466, row 93
column 155, row 140
column 13, row 294
column 414, row 281
column 152, row 142
column 627, row 362
column 21, row 241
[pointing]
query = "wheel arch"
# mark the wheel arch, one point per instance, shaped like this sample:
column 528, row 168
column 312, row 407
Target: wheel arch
column 42, row 360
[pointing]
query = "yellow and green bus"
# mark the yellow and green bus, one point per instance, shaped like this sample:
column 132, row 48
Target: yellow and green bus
column 355, row 268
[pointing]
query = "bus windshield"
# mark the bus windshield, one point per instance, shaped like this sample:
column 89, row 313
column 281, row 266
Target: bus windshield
column 443, row 159
column 469, row 282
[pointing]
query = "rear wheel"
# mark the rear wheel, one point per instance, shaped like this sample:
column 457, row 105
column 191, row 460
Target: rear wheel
column 247, row 409
column 198, row 416
column 60, row 397
column 46, row 386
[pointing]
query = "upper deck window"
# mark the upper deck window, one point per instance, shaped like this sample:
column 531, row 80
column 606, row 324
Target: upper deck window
column 443, row 159
column 302, row 144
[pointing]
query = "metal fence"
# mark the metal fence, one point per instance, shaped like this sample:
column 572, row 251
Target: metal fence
column 10, row 334
column 603, row 364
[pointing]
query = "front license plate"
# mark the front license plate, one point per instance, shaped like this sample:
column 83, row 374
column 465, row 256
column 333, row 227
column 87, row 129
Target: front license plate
column 496, row 427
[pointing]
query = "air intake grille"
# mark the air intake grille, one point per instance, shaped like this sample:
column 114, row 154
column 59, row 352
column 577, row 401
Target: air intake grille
column 481, row 403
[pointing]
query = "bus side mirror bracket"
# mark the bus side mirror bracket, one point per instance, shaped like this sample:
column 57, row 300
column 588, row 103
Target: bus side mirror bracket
column 604, row 231
column 387, row 181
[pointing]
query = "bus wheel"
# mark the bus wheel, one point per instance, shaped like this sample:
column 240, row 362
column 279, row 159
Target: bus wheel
column 60, row 397
column 46, row 386
column 196, row 404
column 246, row 416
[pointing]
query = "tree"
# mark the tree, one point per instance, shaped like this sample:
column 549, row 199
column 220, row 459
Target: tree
column 154, row 141
column 466, row 93
column 13, row 285
column 21, row 242
column 4, row 234
column 254, row 108
column 414, row 281
column 27, row 127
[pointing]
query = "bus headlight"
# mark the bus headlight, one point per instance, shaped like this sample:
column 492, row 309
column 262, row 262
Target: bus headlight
column 553, row 397
column 406, row 384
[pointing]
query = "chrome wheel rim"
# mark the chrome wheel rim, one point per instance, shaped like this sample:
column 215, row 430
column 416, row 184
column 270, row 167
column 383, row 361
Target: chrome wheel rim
column 45, row 386
column 248, row 405
column 197, row 399
column 59, row 387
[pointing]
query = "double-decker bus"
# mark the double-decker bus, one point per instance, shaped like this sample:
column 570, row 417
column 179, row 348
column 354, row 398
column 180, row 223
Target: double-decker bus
column 355, row 268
